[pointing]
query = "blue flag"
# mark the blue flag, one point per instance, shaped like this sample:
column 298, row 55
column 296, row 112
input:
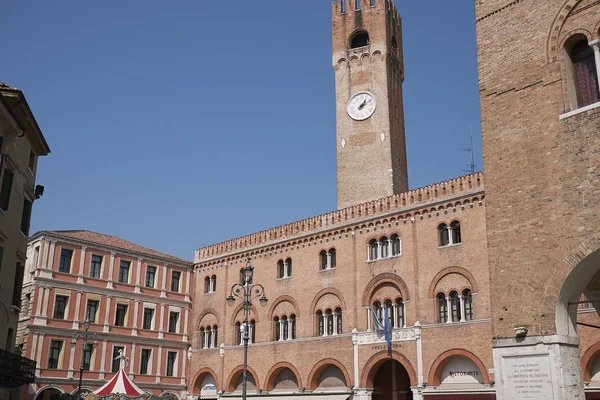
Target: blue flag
column 387, row 326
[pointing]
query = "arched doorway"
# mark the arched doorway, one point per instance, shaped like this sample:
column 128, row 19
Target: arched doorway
column 49, row 393
column 391, row 382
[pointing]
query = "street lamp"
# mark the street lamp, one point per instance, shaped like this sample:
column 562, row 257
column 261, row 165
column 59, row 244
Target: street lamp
column 88, row 338
column 247, row 292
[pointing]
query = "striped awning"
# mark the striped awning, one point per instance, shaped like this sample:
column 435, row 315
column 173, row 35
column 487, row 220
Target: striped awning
column 120, row 384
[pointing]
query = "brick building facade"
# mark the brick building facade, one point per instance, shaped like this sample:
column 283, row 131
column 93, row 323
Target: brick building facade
column 136, row 299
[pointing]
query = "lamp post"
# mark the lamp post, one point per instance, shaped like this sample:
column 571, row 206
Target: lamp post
column 87, row 339
column 247, row 292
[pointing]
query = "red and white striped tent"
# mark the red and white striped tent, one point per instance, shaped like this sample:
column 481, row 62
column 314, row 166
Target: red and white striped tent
column 120, row 383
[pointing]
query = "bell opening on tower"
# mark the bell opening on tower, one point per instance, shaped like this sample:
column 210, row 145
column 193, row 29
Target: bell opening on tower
column 359, row 39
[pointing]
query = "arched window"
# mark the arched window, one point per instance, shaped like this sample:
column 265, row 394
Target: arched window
column 284, row 322
column 288, row 265
column 323, row 260
column 455, row 304
column 359, row 39
column 252, row 333
column 293, row 326
column 442, row 308
column 396, row 249
column 202, row 339
column 206, row 285
column 238, row 334
column 215, row 333
column 280, row 269
column 213, row 283
column 455, row 228
column 329, row 315
column 209, row 342
column 444, row 237
column 468, row 301
column 338, row 315
column 385, row 247
column 277, row 327
column 378, row 310
column 389, row 309
column 399, row 313
column 585, row 77
column 332, row 262
column 321, row 324
column 373, row 250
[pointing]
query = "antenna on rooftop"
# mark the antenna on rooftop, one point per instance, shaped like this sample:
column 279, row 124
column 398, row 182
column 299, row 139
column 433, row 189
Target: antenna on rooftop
column 470, row 151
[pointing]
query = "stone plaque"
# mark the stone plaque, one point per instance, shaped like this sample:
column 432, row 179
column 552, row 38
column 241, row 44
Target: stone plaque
column 527, row 377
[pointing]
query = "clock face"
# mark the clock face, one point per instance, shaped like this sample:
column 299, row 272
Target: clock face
column 361, row 106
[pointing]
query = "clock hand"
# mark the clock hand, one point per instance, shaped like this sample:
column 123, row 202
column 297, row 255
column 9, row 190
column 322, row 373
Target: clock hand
column 362, row 105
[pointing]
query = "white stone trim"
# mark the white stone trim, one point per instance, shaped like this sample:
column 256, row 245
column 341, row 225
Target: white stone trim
column 579, row 110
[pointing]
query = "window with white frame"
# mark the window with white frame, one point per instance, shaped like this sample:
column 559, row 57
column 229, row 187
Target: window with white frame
column 390, row 311
column 384, row 247
column 239, row 332
column 327, row 259
column 582, row 73
column 208, row 337
column 449, row 234
column 329, row 322
column 148, row 319
column 171, row 360
column 95, row 266
column 284, row 268
column 210, row 284
column 284, row 327
column 455, row 306
column 146, row 356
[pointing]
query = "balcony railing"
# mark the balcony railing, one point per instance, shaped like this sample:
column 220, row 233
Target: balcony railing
column 15, row 370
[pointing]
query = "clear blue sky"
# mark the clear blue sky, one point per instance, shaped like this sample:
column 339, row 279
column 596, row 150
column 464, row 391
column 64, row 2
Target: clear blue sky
column 177, row 125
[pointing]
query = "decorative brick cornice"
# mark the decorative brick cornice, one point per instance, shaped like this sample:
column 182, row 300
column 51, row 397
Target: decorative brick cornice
column 417, row 203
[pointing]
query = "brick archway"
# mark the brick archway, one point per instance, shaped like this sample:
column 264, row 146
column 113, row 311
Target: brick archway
column 201, row 374
column 281, row 299
column 381, row 279
column 253, row 313
column 205, row 313
column 275, row 370
column 317, row 370
column 371, row 367
column 452, row 270
column 435, row 373
column 233, row 376
column 325, row 291
column 587, row 361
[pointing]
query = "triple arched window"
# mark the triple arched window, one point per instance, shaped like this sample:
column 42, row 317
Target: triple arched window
column 384, row 248
column 239, row 332
column 284, row 268
column 449, row 234
column 327, row 259
column 582, row 71
column 329, row 322
column 208, row 337
column 455, row 307
column 284, row 327
column 390, row 311
column 210, row 284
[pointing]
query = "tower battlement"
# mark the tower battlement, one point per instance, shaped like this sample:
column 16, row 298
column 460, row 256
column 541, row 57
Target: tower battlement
column 410, row 201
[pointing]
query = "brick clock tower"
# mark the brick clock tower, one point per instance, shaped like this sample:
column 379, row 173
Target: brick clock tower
column 369, row 71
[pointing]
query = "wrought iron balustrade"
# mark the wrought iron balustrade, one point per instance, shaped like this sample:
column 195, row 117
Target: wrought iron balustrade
column 15, row 370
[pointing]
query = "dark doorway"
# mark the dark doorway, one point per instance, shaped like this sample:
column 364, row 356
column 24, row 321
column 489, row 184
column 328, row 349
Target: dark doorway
column 391, row 378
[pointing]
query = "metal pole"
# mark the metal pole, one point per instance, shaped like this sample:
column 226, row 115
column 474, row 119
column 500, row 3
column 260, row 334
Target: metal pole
column 83, row 345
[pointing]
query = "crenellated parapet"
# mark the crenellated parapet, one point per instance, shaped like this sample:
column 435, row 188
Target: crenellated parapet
column 414, row 203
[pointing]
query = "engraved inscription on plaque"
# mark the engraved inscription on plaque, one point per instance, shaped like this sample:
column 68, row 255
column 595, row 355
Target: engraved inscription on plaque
column 527, row 377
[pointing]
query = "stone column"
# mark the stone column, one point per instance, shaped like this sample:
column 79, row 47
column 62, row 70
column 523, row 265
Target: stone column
column 81, row 264
column 136, row 307
column 378, row 250
column 449, row 306
column 404, row 314
column 185, row 322
column 163, row 286
column 289, row 322
column 328, row 261
column 51, row 255
column 132, row 359
column 161, row 333
column 280, row 329
column 250, row 332
column 40, row 297
column 214, row 338
column 138, row 276
column 355, row 361
column 335, row 318
column 188, row 278
column 72, row 360
column 395, row 315
column 205, row 344
column 45, row 301
column 103, row 358
column 325, row 327
column 369, row 319
column 462, row 308
column 111, row 267
column 595, row 44
column 107, row 314
column 159, row 364
column 369, row 253
column 242, row 334
column 77, row 308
